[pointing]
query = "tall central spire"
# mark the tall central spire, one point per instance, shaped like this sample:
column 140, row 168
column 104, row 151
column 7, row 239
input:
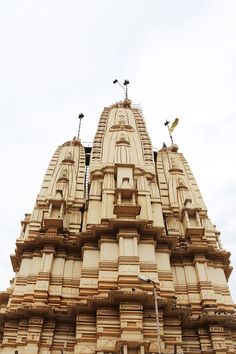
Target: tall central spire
column 122, row 160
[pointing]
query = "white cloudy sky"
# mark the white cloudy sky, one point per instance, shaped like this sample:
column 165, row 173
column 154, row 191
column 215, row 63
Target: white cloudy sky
column 59, row 58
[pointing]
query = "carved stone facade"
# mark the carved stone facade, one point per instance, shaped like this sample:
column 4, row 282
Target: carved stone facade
column 101, row 220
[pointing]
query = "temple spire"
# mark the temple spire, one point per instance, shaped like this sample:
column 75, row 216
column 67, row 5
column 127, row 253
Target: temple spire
column 119, row 254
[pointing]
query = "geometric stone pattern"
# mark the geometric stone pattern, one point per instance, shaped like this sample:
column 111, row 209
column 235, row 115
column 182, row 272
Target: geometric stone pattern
column 95, row 227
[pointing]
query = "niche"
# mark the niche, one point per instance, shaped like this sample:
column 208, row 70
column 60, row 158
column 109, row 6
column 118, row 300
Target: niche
column 125, row 193
column 54, row 216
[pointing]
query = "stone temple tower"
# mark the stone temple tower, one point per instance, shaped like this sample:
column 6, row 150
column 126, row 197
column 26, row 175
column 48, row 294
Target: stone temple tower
column 116, row 230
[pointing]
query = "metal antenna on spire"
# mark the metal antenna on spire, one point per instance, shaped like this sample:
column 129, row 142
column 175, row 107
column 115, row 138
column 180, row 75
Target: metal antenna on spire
column 80, row 116
column 125, row 87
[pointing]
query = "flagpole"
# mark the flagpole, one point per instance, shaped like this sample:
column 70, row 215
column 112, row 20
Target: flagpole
column 170, row 129
column 171, row 137
column 167, row 125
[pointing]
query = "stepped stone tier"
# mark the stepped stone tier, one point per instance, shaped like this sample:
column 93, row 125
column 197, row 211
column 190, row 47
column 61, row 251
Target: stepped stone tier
column 102, row 218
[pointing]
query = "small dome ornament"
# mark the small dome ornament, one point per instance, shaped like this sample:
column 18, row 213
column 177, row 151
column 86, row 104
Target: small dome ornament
column 174, row 148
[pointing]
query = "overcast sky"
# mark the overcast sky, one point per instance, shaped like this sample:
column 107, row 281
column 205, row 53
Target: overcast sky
column 59, row 58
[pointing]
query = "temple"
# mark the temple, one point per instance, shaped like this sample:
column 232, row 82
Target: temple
column 118, row 254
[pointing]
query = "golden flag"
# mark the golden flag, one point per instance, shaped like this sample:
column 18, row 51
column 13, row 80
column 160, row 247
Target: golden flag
column 173, row 125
